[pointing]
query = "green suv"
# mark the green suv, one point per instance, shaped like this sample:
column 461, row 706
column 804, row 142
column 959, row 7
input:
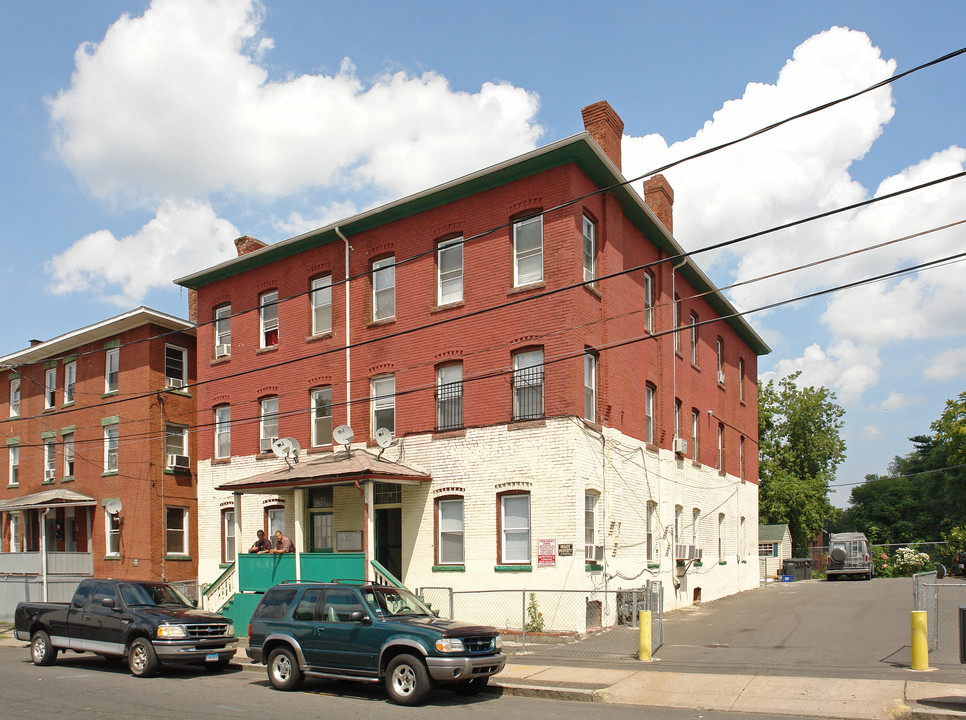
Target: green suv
column 370, row 633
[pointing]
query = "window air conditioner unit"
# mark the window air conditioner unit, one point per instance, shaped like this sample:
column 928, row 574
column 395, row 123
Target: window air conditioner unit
column 697, row 553
column 680, row 446
column 721, row 377
column 598, row 553
column 48, row 474
column 684, row 552
column 222, row 350
column 178, row 461
column 265, row 444
column 174, row 382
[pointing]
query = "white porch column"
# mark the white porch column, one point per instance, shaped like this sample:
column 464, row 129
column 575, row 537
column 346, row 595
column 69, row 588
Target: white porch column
column 238, row 527
column 370, row 520
column 43, row 549
column 299, row 531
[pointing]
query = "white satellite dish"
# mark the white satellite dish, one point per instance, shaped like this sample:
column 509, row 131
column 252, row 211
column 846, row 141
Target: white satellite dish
column 113, row 507
column 287, row 448
column 383, row 437
column 342, row 435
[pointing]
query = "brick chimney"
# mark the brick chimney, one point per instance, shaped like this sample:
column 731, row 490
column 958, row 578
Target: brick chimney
column 606, row 127
column 660, row 198
column 193, row 305
column 246, row 244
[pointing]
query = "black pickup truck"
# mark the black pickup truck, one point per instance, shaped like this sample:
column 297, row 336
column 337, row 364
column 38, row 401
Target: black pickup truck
column 149, row 623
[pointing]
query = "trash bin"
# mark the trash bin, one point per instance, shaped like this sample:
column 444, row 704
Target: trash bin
column 798, row 568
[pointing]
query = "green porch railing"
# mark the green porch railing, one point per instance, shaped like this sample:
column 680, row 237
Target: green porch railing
column 257, row 573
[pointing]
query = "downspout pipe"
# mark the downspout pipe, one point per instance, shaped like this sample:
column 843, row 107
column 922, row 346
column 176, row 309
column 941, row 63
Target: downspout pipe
column 348, row 341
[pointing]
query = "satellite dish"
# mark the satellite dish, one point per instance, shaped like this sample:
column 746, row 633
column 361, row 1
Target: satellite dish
column 342, row 435
column 113, row 507
column 383, row 437
column 286, row 448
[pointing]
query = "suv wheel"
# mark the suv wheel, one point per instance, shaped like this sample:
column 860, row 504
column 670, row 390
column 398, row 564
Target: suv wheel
column 41, row 651
column 283, row 669
column 407, row 681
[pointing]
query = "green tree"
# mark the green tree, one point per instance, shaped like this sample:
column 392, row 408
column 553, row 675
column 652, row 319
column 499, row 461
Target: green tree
column 800, row 446
column 950, row 430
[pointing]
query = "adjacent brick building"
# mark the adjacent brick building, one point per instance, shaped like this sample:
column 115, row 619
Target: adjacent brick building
column 98, row 460
column 570, row 403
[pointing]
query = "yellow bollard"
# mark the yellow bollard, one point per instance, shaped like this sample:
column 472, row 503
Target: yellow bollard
column 920, row 641
column 644, row 642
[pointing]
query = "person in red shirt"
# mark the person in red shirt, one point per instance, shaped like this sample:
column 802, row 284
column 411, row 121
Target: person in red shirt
column 282, row 544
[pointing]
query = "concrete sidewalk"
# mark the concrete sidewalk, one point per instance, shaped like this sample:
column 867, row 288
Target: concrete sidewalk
column 857, row 699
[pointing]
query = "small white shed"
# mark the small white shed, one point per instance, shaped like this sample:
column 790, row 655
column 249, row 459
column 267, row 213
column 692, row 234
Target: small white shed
column 774, row 546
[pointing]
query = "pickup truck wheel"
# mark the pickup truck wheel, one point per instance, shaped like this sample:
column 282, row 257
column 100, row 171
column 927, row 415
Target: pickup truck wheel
column 41, row 651
column 283, row 669
column 407, row 681
column 473, row 686
column 142, row 659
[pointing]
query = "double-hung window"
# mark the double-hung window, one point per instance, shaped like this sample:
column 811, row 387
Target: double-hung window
column 228, row 535
column 175, row 366
column 649, row 393
column 528, row 251
column 223, row 432
column 590, row 386
column 677, row 323
column 694, row 434
column 176, row 530
column 384, row 403
column 590, row 526
column 110, row 448
column 112, row 527
column 50, row 389
column 268, row 318
column 50, row 459
column 112, row 367
column 322, row 305
column 13, row 453
column 449, row 264
column 449, row 397
column 175, row 440
column 70, row 382
column 450, row 541
column 222, row 331
column 721, row 523
column 515, row 529
column 15, row 397
column 694, row 339
column 721, row 448
column 528, row 385
column 648, row 302
column 68, row 455
column 321, row 416
column 15, row 534
column 720, row 350
column 650, row 538
column 268, row 423
column 384, row 288
column 590, row 249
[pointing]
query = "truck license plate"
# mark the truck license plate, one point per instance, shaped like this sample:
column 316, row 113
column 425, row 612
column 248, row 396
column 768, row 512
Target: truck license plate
column 211, row 656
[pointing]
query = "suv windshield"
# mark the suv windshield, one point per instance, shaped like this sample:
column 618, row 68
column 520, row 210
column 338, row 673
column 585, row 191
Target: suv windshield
column 395, row 601
column 136, row 594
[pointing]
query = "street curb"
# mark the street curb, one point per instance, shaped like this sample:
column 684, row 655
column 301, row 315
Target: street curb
column 546, row 692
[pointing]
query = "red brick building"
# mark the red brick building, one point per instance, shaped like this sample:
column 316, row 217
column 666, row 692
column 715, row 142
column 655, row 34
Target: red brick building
column 97, row 466
column 524, row 333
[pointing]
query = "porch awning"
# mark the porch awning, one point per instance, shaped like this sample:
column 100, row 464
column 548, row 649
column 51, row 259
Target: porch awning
column 337, row 467
column 59, row 497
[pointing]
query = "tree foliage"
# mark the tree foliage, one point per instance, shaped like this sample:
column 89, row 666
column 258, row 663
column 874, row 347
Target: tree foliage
column 800, row 446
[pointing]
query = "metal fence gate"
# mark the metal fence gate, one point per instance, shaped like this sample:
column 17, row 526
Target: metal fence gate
column 559, row 623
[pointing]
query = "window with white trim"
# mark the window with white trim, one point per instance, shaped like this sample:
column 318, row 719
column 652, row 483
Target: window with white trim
column 223, row 432
column 450, row 521
column 677, row 323
column 50, row 389
column 15, row 535
column 13, row 454
column 50, row 459
column 383, row 394
column 528, row 385
column 721, row 522
column 268, row 319
column 649, row 392
column 720, row 352
column 112, row 365
column 515, row 529
column 449, row 271
column 741, row 537
column 176, row 530
column 590, row 249
column 175, row 439
column 677, row 418
column 222, row 327
column 678, row 511
column 694, row 339
column 741, row 457
column 384, row 288
column 228, row 536
column 15, row 397
column 721, row 448
column 321, row 416
column 68, row 441
column 275, row 520
column 695, row 516
column 590, row 526
column 767, row 549
column 175, row 366
column 112, row 535
column 267, row 423
column 449, row 396
column 110, row 448
column 322, row 305
column 528, row 251
column 650, row 537
column 648, row 302
column 694, row 434
column 70, row 382
column 590, row 386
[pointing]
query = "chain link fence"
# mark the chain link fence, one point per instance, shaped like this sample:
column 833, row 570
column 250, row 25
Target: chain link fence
column 558, row 623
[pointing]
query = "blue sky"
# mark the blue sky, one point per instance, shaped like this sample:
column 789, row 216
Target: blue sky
column 138, row 139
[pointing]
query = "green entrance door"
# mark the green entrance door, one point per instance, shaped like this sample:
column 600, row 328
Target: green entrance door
column 389, row 540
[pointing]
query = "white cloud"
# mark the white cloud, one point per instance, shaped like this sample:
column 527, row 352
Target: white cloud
column 870, row 432
column 181, row 238
column 897, row 401
column 176, row 103
column 947, row 365
column 845, row 367
column 297, row 223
